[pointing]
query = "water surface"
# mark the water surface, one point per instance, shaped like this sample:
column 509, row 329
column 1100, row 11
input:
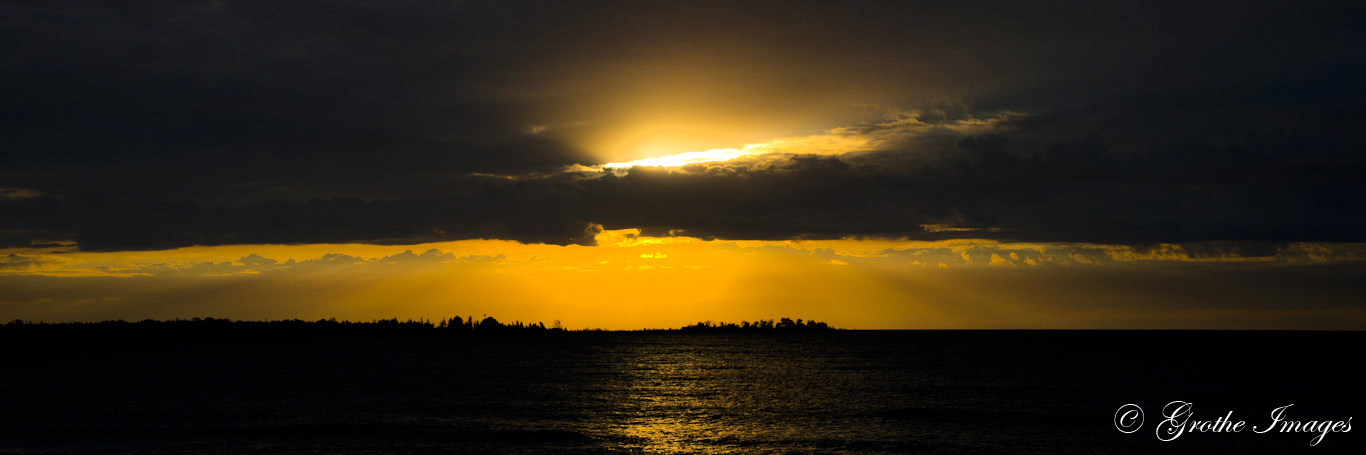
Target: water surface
column 835, row 392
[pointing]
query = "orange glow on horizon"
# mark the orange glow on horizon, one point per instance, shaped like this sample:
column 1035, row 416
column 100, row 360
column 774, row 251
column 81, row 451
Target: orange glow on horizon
column 630, row 281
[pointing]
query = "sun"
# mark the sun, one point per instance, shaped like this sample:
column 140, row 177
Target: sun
column 682, row 159
column 708, row 156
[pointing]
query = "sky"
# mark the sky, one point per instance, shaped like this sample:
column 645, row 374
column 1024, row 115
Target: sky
column 878, row 165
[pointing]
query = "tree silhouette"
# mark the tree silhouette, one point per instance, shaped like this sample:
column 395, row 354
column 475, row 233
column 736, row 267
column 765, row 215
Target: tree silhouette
column 215, row 328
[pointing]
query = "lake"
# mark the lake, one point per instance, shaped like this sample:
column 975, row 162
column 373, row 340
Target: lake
column 667, row 392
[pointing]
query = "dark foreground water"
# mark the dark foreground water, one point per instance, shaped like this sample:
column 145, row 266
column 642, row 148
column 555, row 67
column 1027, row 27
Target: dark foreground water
column 841, row 392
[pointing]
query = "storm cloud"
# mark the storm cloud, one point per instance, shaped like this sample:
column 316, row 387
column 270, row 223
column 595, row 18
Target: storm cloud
column 147, row 125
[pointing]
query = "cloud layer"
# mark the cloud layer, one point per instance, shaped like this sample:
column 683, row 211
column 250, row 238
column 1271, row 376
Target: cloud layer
column 148, row 125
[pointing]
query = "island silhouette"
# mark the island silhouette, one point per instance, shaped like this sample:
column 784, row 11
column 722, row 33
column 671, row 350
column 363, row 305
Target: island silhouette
column 198, row 328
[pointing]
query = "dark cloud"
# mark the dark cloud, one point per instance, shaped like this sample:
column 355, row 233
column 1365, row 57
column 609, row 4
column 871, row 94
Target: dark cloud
column 150, row 124
column 20, row 262
column 256, row 260
column 429, row 255
column 1079, row 191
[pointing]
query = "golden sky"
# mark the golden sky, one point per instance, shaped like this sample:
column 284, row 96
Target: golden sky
column 652, row 164
column 630, row 281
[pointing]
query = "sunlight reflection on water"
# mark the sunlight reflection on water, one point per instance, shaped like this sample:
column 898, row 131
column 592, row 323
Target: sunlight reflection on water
column 642, row 393
column 668, row 398
column 679, row 400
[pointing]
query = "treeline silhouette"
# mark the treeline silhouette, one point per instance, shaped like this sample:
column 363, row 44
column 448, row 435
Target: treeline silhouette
column 215, row 328
column 762, row 325
column 288, row 328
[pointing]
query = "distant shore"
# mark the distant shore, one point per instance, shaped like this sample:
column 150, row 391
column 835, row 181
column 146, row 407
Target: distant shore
column 217, row 328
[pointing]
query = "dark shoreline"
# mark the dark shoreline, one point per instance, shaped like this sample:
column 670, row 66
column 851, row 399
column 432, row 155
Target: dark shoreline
column 224, row 329
column 215, row 328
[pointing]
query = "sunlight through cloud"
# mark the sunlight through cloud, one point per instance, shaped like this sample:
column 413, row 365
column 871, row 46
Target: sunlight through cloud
column 682, row 159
